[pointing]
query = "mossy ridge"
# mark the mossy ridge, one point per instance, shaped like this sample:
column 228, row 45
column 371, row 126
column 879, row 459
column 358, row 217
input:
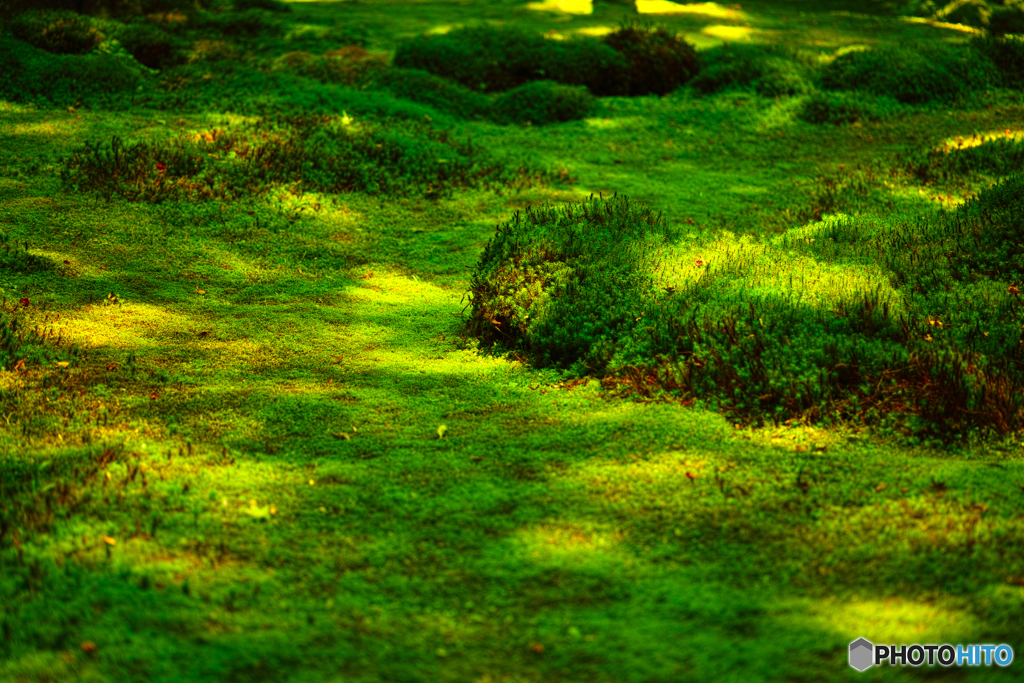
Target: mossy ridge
column 57, row 31
column 542, row 102
column 927, row 74
column 495, row 60
column 951, row 164
column 325, row 153
column 633, row 60
column 838, row 107
column 768, row 70
column 1008, row 56
column 693, row 340
column 28, row 74
column 440, row 93
column 561, row 283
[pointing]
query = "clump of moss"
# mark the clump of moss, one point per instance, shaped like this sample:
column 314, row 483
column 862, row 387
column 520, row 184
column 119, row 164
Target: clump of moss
column 151, row 46
column 994, row 247
column 563, row 284
column 1008, row 56
column 250, row 24
column 486, row 58
column 1007, row 19
column 326, row 153
column 439, row 93
column 58, row 31
column 349, row 65
column 16, row 259
column 659, row 61
column 927, row 73
column 28, row 74
column 768, row 71
column 842, row 108
column 543, row 102
column 953, row 163
column 495, row 59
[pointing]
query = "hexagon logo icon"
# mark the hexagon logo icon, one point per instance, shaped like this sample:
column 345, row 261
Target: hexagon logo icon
column 861, row 652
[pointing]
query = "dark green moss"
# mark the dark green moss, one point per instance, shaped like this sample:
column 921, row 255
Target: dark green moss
column 912, row 75
column 543, row 102
column 764, row 70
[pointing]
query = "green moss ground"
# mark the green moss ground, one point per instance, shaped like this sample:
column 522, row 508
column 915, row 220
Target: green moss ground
column 275, row 458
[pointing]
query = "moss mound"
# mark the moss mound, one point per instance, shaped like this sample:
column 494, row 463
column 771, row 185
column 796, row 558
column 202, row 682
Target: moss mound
column 152, row 46
column 543, row 102
column 931, row 73
column 28, row 74
column 1008, row 56
column 491, row 59
column 659, row 61
column 767, row 71
column 951, row 163
column 61, row 32
column 485, row 58
column 1007, row 19
column 841, row 107
column 325, row 153
column 993, row 224
column 439, row 93
column 582, row 288
column 349, row 65
column 563, row 284
column 247, row 25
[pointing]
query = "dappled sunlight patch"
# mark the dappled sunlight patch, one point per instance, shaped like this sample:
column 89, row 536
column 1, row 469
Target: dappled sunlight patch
column 962, row 28
column 15, row 108
column 44, row 128
column 603, row 123
column 127, row 325
column 668, row 477
column 922, row 522
column 574, row 544
column 581, row 7
column 706, row 9
column 888, row 620
column 595, row 31
column 729, row 33
column 441, row 29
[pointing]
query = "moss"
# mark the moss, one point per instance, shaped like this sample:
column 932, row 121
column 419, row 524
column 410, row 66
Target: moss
column 28, row 74
column 484, row 58
column 543, row 102
column 918, row 75
column 841, row 108
column 996, row 221
column 767, row 71
column 439, row 93
column 152, row 46
column 658, row 61
column 1008, row 56
column 349, row 65
column 492, row 59
column 56, row 31
column 564, row 283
